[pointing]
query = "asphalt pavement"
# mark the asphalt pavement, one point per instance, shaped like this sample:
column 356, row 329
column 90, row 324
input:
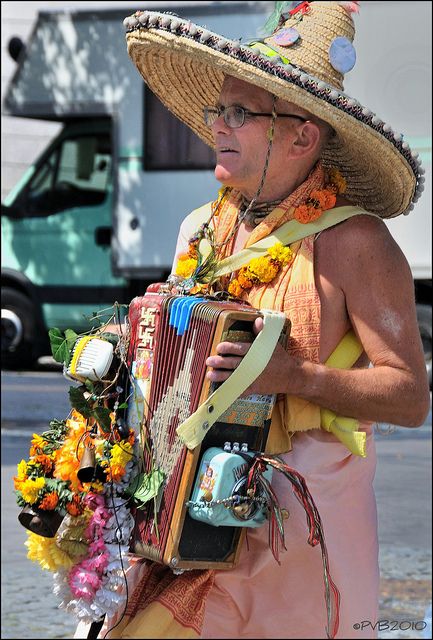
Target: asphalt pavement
column 402, row 485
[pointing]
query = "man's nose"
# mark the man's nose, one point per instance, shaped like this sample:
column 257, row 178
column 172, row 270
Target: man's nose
column 219, row 126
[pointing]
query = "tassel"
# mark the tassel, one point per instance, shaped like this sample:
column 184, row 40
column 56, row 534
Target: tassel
column 315, row 537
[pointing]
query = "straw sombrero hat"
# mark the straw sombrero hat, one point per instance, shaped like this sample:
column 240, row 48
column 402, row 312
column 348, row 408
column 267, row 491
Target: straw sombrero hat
column 303, row 62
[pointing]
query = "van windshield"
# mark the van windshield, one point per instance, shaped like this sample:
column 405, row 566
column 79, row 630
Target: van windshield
column 75, row 174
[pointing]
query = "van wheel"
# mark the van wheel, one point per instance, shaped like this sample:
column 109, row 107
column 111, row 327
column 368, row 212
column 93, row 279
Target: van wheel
column 17, row 329
column 424, row 315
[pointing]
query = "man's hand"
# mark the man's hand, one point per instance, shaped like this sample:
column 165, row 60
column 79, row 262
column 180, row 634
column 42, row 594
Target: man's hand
column 230, row 354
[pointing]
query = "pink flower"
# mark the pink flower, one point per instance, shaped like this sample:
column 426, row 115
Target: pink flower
column 84, row 583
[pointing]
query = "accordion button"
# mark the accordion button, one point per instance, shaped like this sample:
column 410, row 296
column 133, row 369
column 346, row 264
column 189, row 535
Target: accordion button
column 210, row 408
column 205, row 426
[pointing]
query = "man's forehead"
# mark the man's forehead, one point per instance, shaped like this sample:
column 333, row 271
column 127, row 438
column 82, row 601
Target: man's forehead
column 238, row 91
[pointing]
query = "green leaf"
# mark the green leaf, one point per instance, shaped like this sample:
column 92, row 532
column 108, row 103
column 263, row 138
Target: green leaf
column 59, row 346
column 71, row 339
column 124, row 405
column 102, row 417
column 79, row 402
column 89, row 385
column 145, row 487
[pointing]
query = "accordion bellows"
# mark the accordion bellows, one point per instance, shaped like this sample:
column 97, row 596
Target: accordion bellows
column 170, row 339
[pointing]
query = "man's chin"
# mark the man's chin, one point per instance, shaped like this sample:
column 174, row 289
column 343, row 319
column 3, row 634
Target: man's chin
column 224, row 176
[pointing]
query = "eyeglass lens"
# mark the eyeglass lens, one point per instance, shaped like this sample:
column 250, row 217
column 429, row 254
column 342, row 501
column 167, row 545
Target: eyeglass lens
column 234, row 116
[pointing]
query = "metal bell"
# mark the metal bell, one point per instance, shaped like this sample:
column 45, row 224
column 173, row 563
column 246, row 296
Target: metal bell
column 87, row 470
column 43, row 523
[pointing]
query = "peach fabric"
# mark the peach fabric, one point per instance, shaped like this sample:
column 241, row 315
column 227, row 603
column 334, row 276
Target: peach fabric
column 261, row 599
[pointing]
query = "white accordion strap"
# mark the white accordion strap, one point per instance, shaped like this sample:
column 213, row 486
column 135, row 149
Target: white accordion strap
column 193, row 429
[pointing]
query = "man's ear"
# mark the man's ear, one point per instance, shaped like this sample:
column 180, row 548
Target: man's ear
column 307, row 140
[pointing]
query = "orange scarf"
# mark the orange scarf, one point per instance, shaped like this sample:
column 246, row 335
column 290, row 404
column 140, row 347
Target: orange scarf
column 294, row 292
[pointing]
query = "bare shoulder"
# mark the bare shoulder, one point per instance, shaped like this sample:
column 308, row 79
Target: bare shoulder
column 361, row 245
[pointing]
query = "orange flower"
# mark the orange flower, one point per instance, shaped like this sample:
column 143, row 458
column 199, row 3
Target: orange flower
column 49, row 501
column 235, row 289
column 75, row 507
column 66, row 460
column 330, row 199
column 318, row 199
column 244, row 281
column 45, row 462
column 115, row 472
column 304, row 213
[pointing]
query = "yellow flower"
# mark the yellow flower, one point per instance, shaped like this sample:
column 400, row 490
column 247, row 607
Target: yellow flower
column 37, row 444
column 21, row 475
column 22, row 470
column 95, row 487
column 280, row 253
column 38, row 441
column 47, row 553
column 31, row 488
column 337, row 179
column 263, row 269
column 186, row 266
column 121, row 453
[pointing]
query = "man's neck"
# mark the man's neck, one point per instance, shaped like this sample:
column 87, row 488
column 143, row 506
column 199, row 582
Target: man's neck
column 279, row 190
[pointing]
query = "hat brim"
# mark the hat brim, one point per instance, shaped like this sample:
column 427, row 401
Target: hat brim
column 187, row 74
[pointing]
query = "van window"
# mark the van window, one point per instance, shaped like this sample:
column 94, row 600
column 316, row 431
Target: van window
column 75, row 174
column 168, row 143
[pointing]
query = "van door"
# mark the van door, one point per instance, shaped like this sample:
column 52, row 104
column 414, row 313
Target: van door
column 56, row 232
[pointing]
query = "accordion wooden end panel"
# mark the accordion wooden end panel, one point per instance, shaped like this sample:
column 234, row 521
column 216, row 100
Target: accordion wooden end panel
column 171, row 338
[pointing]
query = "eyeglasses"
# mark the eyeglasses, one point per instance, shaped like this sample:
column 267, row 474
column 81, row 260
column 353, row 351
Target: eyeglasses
column 234, row 116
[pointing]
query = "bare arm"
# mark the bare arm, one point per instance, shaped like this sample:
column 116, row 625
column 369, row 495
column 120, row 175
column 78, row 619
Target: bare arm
column 377, row 289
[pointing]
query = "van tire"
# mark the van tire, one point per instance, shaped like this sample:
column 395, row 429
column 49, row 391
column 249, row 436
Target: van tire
column 17, row 329
column 424, row 316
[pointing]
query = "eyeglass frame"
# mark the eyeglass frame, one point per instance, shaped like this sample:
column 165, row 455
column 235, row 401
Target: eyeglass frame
column 220, row 110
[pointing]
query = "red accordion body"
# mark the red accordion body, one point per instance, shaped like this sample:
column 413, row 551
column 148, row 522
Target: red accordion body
column 170, row 340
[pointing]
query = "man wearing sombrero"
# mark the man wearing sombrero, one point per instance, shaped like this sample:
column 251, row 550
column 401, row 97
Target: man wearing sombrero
column 307, row 173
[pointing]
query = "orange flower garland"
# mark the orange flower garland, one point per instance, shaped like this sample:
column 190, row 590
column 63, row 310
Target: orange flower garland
column 261, row 270
column 321, row 200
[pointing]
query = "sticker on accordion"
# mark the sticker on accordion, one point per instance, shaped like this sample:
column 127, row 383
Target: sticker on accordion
column 140, row 372
column 251, row 410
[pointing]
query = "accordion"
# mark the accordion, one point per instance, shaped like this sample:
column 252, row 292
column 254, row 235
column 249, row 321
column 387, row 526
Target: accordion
column 180, row 415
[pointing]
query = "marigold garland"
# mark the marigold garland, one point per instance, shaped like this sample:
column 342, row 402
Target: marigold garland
column 261, row 270
column 321, row 200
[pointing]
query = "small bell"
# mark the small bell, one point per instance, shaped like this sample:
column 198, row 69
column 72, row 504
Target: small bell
column 87, row 470
column 43, row 523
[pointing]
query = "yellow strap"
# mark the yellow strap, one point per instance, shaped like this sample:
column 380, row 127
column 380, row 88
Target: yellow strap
column 287, row 234
column 193, row 429
column 344, row 356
